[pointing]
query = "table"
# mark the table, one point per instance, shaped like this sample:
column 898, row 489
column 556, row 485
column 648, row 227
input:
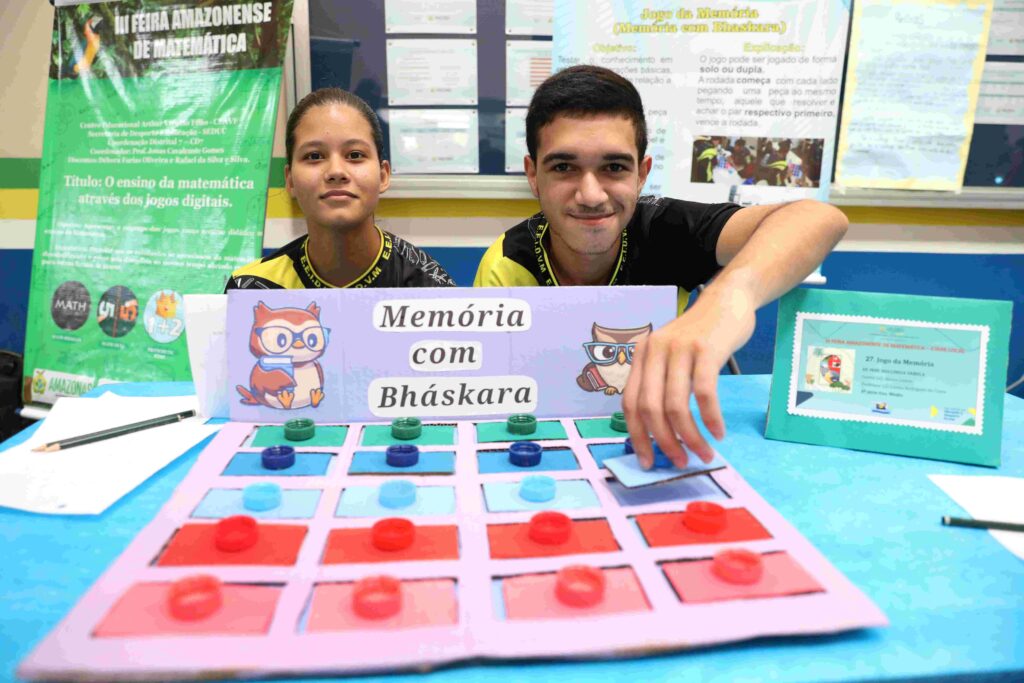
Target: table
column 955, row 597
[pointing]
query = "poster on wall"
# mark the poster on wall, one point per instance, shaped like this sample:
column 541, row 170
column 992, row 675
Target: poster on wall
column 156, row 154
column 741, row 100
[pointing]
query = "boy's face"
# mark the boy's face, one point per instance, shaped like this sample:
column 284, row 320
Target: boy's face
column 334, row 173
column 588, row 178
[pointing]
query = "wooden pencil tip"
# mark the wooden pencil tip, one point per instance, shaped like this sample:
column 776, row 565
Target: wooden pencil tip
column 39, row 449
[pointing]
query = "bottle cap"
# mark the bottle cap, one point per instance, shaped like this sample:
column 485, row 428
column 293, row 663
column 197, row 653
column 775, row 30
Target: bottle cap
column 579, row 585
column 392, row 533
column 261, row 496
column 525, row 453
column 537, row 488
column 627, row 446
column 402, row 455
column 618, row 422
column 235, row 534
column 299, row 429
column 377, row 597
column 704, row 517
column 521, row 424
column 661, row 460
column 406, row 428
column 550, row 528
column 278, row 457
column 194, row 597
column 397, row 494
column 738, row 566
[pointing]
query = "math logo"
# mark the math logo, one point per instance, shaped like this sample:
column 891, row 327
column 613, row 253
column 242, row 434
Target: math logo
column 70, row 305
column 610, row 352
column 287, row 343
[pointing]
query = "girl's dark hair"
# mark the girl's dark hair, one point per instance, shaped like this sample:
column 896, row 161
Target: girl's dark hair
column 580, row 91
column 332, row 96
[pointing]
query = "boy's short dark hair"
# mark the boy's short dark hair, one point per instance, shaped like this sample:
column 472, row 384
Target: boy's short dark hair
column 332, row 96
column 581, row 91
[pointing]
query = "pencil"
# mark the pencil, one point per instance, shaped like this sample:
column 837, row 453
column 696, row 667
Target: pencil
column 982, row 524
column 103, row 434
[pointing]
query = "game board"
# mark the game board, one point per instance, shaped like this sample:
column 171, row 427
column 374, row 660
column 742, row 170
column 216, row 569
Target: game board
column 473, row 582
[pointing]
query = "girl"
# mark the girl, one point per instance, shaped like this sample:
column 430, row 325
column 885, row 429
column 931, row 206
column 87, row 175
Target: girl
column 336, row 174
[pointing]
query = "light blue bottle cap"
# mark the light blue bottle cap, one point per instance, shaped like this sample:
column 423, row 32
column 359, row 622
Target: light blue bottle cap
column 397, row 494
column 262, row 496
column 537, row 488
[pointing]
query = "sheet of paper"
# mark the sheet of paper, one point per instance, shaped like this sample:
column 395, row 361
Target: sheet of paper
column 1007, row 35
column 434, row 140
column 527, row 64
column 1001, row 100
column 529, row 17
column 86, row 480
column 911, row 90
column 431, row 71
column 205, row 326
column 990, row 498
column 432, row 16
column 630, row 474
column 515, row 140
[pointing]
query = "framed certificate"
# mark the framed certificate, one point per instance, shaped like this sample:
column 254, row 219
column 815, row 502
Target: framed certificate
column 911, row 375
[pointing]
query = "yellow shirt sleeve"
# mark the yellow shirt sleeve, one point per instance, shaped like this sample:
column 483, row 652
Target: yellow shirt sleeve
column 496, row 270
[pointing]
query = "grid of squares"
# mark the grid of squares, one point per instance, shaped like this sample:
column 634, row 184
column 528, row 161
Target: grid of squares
column 471, row 585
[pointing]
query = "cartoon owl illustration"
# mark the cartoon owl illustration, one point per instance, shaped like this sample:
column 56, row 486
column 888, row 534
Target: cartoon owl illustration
column 611, row 356
column 287, row 343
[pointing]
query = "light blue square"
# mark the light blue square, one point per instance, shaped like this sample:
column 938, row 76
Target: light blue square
column 251, row 465
column 503, row 496
column 375, row 462
column 295, row 504
column 630, row 474
column 361, row 501
column 553, row 459
column 603, row 451
column 679, row 491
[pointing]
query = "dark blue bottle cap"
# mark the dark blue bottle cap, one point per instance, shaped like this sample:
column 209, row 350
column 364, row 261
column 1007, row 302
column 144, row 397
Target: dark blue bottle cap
column 397, row 494
column 402, row 455
column 525, row 453
column 627, row 446
column 661, row 460
column 278, row 457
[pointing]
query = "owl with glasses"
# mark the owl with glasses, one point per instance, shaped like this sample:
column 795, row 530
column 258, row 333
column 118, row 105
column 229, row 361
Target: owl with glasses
column 611, row 355
column 286, row 343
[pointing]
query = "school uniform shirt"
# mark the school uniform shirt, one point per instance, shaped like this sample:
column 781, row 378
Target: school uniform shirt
column 666, row 242
column 398, row 264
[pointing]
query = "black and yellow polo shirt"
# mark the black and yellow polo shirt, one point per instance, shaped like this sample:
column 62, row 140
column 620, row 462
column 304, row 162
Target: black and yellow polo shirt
column 398, row 264
column 666, row 242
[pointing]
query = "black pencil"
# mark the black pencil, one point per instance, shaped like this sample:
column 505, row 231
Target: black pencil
column 73, row 441
column 982, row 524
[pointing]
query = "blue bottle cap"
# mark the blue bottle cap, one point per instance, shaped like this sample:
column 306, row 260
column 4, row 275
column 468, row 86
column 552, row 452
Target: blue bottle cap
column 402, row 455
column 278, row 457
column 261, row 496
column 397, row 494
column 661, row 460
column 525, row 453
column 537, row 488
column 627, row 446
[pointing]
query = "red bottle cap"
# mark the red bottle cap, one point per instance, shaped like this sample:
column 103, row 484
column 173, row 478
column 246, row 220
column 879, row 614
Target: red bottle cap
column 579, row 585
column 377, row 597
column 703, row 517
column 235, row 534
column 738, row 566
column 393, row 533
column 550, row 528
column 194, row 597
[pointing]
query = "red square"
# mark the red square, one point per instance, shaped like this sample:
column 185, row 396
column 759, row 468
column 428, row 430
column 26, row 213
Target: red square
column 512, row 541
column 193, row 544
column 667, row 529
column 355, row 545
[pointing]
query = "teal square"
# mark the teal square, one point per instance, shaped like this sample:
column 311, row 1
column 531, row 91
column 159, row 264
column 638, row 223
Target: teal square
column 432, row 435
column 332, row 436
column 493, row 432
column 598, row 428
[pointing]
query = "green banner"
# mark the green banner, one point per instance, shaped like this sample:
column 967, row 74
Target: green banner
column 153, row 184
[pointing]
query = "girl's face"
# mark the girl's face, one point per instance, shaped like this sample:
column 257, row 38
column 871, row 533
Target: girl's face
column 334, row 173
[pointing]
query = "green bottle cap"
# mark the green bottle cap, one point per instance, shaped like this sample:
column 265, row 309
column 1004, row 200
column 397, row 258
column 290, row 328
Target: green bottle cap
column 299, row 429
column 619, row 422
column 521, row 424
column 406, row 428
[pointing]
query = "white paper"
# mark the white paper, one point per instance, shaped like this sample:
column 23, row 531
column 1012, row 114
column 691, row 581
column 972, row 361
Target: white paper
column 1007, row 34
column 205, row 330
column 515, row 140
column 528, row 17
column 431, row 71
column 430, row 16
column 434, row 140
column 527, row 64
column 86, row 480
column 992, row 498
column 1001, row 100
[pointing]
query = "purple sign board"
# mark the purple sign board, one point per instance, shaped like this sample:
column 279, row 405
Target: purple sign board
column 376, row 354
